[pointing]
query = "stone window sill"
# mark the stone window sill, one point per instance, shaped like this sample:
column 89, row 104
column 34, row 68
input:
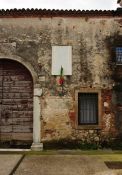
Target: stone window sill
column 79, row 127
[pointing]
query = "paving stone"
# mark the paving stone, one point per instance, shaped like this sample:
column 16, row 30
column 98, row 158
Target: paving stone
column 8, row 162
column 60, row 165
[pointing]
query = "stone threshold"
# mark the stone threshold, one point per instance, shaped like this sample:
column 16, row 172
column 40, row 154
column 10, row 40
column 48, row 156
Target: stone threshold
column 13, row 150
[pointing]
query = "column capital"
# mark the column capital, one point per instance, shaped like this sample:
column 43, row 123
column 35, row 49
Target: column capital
column 37, row 91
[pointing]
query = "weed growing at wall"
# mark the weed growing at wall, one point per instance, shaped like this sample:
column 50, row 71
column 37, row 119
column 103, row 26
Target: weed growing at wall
column 70, row 144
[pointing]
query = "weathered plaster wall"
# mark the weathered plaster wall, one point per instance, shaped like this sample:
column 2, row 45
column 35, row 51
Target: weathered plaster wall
column 92, row 40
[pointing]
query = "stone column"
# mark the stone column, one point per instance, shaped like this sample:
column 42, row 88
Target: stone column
column 37, row 145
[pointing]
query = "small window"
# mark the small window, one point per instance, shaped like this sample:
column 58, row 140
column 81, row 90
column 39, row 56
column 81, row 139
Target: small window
column 87, row 108
column 119, row 55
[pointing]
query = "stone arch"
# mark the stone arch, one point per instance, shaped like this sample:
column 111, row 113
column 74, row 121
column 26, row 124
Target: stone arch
column 26, row 64
column 37, row 91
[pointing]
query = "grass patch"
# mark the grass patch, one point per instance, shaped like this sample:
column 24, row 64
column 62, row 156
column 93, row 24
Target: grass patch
column 104, row 155
column 111, row 157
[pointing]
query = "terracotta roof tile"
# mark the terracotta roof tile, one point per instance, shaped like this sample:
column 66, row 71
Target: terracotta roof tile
column 54, row 13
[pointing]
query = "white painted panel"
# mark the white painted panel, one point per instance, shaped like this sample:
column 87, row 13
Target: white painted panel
column 62, row 56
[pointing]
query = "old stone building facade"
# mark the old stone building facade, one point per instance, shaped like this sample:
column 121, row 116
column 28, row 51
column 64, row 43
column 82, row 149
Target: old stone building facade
column 37, row 105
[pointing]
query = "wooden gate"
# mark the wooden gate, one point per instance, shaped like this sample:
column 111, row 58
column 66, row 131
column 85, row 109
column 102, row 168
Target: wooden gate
column 16, row 102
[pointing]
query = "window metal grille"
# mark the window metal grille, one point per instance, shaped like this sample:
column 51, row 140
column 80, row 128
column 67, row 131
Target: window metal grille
column 87, row 108
column 119, row 55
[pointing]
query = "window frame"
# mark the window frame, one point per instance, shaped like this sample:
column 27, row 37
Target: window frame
column 88, row 126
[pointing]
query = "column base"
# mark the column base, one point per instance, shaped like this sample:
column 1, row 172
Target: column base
column 37, row 146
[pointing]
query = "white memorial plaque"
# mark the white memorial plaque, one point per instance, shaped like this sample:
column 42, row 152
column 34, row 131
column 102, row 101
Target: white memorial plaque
column 62, row 57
